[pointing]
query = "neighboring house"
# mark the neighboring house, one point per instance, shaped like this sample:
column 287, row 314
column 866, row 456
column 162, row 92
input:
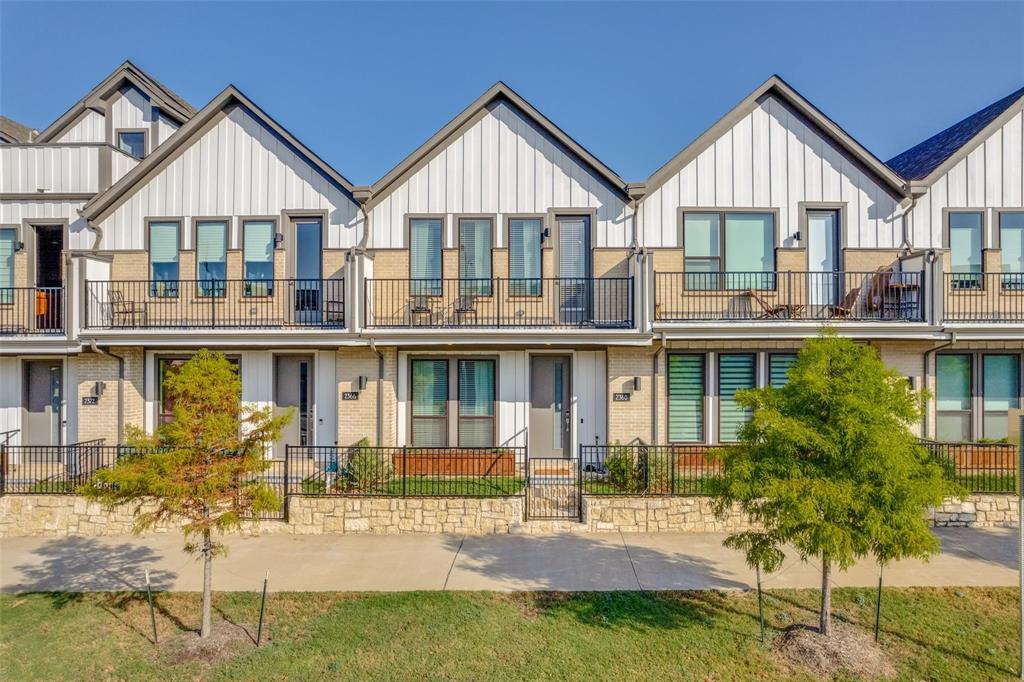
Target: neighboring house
column 501, row 285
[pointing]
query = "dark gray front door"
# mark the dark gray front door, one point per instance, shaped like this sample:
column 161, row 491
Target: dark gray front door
column 550, row 409
column 41, row 402
column 293, row 389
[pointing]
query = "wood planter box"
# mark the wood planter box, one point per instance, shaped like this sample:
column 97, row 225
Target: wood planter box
column 454, row 462
column 983, row 456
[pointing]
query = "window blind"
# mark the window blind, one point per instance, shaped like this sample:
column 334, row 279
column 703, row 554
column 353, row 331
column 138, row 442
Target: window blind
column 163, row 242
column 778, row 369
column 953, row 397
column 476, row 403
column 258, row 238
column 429, row 403
column 1000, row 392
column 686, row 398
column 524, row 257
column 425, row 256
column 475, row 257
column 7, row 238
column 735, row 372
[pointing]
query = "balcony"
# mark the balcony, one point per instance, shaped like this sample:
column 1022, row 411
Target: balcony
column 216, row 304
column 991, row 297
column 880, row 296
column 32, row 311
column 542, row 303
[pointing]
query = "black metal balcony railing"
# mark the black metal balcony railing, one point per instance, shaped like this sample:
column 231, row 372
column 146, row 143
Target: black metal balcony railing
column 773, row 296
column 31, row 310
column 223, row 304
column 545, row 303
column 984, row 297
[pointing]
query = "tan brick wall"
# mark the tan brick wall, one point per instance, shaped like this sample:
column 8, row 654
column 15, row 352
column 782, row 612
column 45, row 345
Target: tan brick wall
column 611, row 262
column 357, row 419
column 868, row 260
column 100, row 421
column 391, row 264
column 631, row 420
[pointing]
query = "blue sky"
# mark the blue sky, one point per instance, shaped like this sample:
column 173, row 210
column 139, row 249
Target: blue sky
column 363, row 84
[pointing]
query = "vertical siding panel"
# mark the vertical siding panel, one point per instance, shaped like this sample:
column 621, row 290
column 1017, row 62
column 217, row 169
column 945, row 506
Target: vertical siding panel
column 762, row 157
column 1013, row 162
column 706, row 178
column 976, row 176
column 956, row 187
column 724, row 179
column 812, row 164
column 795, row 185
column 472, row 169
column 742, row 161
column 992, row 170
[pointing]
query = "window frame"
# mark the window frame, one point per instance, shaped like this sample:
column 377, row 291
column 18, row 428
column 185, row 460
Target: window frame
column 274, row 248
column 757, row 379
column 770, row 278
column 492, row 219
column 997, row 236
column 543, row 243
column 446, row 417
column 227, row 222
column 705, row 439
column 7, row 291
column 976, row 412
column 145, row 141
column 175, row 291
column 769, row 357
column 982, row 412
column 983, row 245
column 432, row 291
column 493, row 360
column 452, row 415
column 158, row 358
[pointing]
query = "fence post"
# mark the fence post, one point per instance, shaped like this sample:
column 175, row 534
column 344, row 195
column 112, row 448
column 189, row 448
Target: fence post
column 405, row 470
column 284, row 501
column 3, row 467
column 674, row 469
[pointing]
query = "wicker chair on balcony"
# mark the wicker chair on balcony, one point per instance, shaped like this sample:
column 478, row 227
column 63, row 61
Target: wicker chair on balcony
column 122, row 311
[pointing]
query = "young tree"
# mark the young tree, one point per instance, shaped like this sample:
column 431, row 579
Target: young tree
column 828, row 463
column 202, row 468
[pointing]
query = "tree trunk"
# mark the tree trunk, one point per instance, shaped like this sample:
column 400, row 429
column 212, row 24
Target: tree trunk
column 825, row 616
column 204, row 631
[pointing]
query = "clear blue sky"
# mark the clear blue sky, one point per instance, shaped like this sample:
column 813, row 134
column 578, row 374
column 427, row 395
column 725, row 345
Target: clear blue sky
column 363, row 84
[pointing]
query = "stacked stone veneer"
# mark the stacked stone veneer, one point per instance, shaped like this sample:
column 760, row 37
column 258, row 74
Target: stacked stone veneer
column 62, row 515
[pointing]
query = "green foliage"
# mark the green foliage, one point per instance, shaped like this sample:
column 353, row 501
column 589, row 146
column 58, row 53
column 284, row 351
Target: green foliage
column 659, row 463
column 204, row 467
column 623, row 473
column 828, row 463
column 368, row 469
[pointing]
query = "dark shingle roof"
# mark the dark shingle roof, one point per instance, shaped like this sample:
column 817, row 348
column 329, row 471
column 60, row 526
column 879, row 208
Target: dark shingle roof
column 15, row 131
column 920, row 160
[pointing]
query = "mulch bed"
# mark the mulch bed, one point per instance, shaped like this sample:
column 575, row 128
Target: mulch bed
column 848, row 650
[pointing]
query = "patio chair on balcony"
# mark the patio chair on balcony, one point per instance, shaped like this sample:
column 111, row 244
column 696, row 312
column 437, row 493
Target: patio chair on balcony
column 846, row 308
column 464, row 308
column 334, row 311
column 779, row 311
column 122, row 311
column 420, row 311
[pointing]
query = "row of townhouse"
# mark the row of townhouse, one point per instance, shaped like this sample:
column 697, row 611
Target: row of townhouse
column 500, row 286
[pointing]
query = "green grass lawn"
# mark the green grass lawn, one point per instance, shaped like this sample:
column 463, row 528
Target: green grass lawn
column 683, row 486
column 931, row 634
column 432, row 486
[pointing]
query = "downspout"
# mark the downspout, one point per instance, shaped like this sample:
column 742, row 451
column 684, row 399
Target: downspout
column 380, row 393
column 654, row 391
column 120, row 386
column 928, row 355
column 905, row 244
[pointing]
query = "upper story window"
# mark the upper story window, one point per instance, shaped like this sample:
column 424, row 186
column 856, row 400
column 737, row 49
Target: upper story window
column 425, row 256
column 524, row 256
column 475, row 256
column 1011, row 244
column 729, row 250
column 258, row 257
column 8, row 235
column 132, row 142
column 164, row 241
column 211, row 256
column 965, row 244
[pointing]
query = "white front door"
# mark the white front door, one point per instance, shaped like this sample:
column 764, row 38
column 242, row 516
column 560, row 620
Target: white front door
column 822, row 239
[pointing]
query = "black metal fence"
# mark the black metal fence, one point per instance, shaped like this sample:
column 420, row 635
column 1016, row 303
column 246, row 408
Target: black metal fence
column 553, row 489
column 565, row 303
column 856, row 296
column 978, row 467
column 984, row 297
column 639, row 469
column 31, row 311
column 224, row 304
column 52, row 469
column 406, row 471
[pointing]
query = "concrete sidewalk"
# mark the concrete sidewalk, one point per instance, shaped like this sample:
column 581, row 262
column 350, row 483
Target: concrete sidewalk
column 609, row 561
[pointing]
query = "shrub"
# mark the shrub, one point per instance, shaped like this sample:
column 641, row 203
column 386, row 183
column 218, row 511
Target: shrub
column 368, row 469
column 659, row 469
column 623, row 473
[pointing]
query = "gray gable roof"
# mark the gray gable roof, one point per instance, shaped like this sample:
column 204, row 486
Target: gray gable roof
column 918, row 162
column 16, row 132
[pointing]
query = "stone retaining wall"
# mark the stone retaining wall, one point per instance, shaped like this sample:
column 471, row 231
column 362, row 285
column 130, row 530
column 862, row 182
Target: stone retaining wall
column 62, row 515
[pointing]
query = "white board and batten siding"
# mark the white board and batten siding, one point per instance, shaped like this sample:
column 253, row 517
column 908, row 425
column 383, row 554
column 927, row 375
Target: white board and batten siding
column 92, row 127
column 772, row 159
column 502, row 164
column 237, row 168
column 512, row 411
column 12, row 212
column 68, row 169
column 990, row 176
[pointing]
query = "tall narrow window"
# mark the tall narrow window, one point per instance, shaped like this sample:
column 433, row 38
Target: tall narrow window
column 429, row 403
column 476, row 403
column 524, row 257
column 1000, row 391
column 211, row 257
column 965, row 249
column 8, row 235
column 779, row 365
column 258, row 254
column 749, row 251
column 702, row 250
column 1011, row 244
column 953, row 397
column 425, row 256
column 163, row 258
column 735, row 372
column 475, row 256
column 685, row 398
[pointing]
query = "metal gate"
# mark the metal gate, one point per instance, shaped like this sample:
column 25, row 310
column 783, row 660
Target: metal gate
column 552, row 488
